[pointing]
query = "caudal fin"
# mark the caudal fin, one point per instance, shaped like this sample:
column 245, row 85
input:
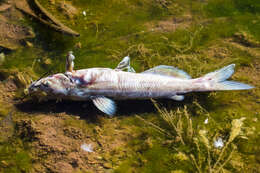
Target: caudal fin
column 217, row 80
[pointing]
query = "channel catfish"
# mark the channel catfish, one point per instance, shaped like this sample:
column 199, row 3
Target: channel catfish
column 103, row 85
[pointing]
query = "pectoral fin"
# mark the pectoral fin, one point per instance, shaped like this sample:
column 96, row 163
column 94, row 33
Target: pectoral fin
column 106, row 105
column 177, row 97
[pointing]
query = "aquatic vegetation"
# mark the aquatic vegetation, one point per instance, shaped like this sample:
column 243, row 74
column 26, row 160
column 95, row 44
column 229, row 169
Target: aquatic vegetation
column 14, row 158
column 196, row 36
column 14, row 151
column 197, row 145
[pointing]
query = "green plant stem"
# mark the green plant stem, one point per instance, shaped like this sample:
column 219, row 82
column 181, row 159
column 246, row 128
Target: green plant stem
column 165, row 115
column 162, row 131
column 195, row 163
column 209, row 160
column 226, row 161
column 220, row 155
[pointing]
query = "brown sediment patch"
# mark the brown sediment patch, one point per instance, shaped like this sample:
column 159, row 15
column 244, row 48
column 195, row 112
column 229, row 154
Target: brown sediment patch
column 218, row 52
column 68, row 9
column 7, row 90
column 245, row 39
column 56, row 145
column 12, row 33
column 252, row 71
column 171, row 24
column 37, row 11
column 253, row 51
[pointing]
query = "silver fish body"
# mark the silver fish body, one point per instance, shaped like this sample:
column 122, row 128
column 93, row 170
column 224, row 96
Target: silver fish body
column 127, row 85
column 103, row 84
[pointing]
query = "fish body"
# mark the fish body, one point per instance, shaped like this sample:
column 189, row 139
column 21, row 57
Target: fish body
column 103, row 85
column 126, row 85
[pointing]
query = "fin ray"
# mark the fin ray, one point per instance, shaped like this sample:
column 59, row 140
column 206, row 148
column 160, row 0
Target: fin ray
column 177, row 97
column 168, row 71
column 221, row 74
column 232, row 85
column 105, row 105
column 217, row 80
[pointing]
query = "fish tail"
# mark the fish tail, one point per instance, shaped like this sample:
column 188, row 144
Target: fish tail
column 217, row 80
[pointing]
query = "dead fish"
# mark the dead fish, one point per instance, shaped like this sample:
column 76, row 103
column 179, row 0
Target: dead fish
column 102, row 85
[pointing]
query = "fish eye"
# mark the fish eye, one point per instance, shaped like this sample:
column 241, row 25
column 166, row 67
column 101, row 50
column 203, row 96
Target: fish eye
column 65, row 79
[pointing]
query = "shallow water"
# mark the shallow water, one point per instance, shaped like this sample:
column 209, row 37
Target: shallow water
column 196, row 36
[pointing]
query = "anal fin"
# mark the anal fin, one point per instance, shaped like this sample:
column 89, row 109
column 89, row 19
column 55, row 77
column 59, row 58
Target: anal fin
column 177, row 97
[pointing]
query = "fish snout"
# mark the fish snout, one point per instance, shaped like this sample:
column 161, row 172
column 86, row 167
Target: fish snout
column 38, row 86
column 34, row 87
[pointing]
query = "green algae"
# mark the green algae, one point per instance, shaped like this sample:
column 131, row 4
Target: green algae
column 113, row 29
column 14, row 157
column 15, row 151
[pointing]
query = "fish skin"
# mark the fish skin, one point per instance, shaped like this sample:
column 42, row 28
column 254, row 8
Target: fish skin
column 88, row 84
column 115, row 84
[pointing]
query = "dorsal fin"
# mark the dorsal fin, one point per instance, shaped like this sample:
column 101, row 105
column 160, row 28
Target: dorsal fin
column 168, row 71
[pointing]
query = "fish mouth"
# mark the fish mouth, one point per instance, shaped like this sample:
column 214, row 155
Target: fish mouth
column 36, row 89
column 33, row 88
column 37, row 93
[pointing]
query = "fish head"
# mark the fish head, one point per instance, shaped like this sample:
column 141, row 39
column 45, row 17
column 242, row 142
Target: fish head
column 57, row 84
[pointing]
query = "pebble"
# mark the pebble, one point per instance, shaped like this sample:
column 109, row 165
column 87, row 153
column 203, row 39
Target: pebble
column 107, row 165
